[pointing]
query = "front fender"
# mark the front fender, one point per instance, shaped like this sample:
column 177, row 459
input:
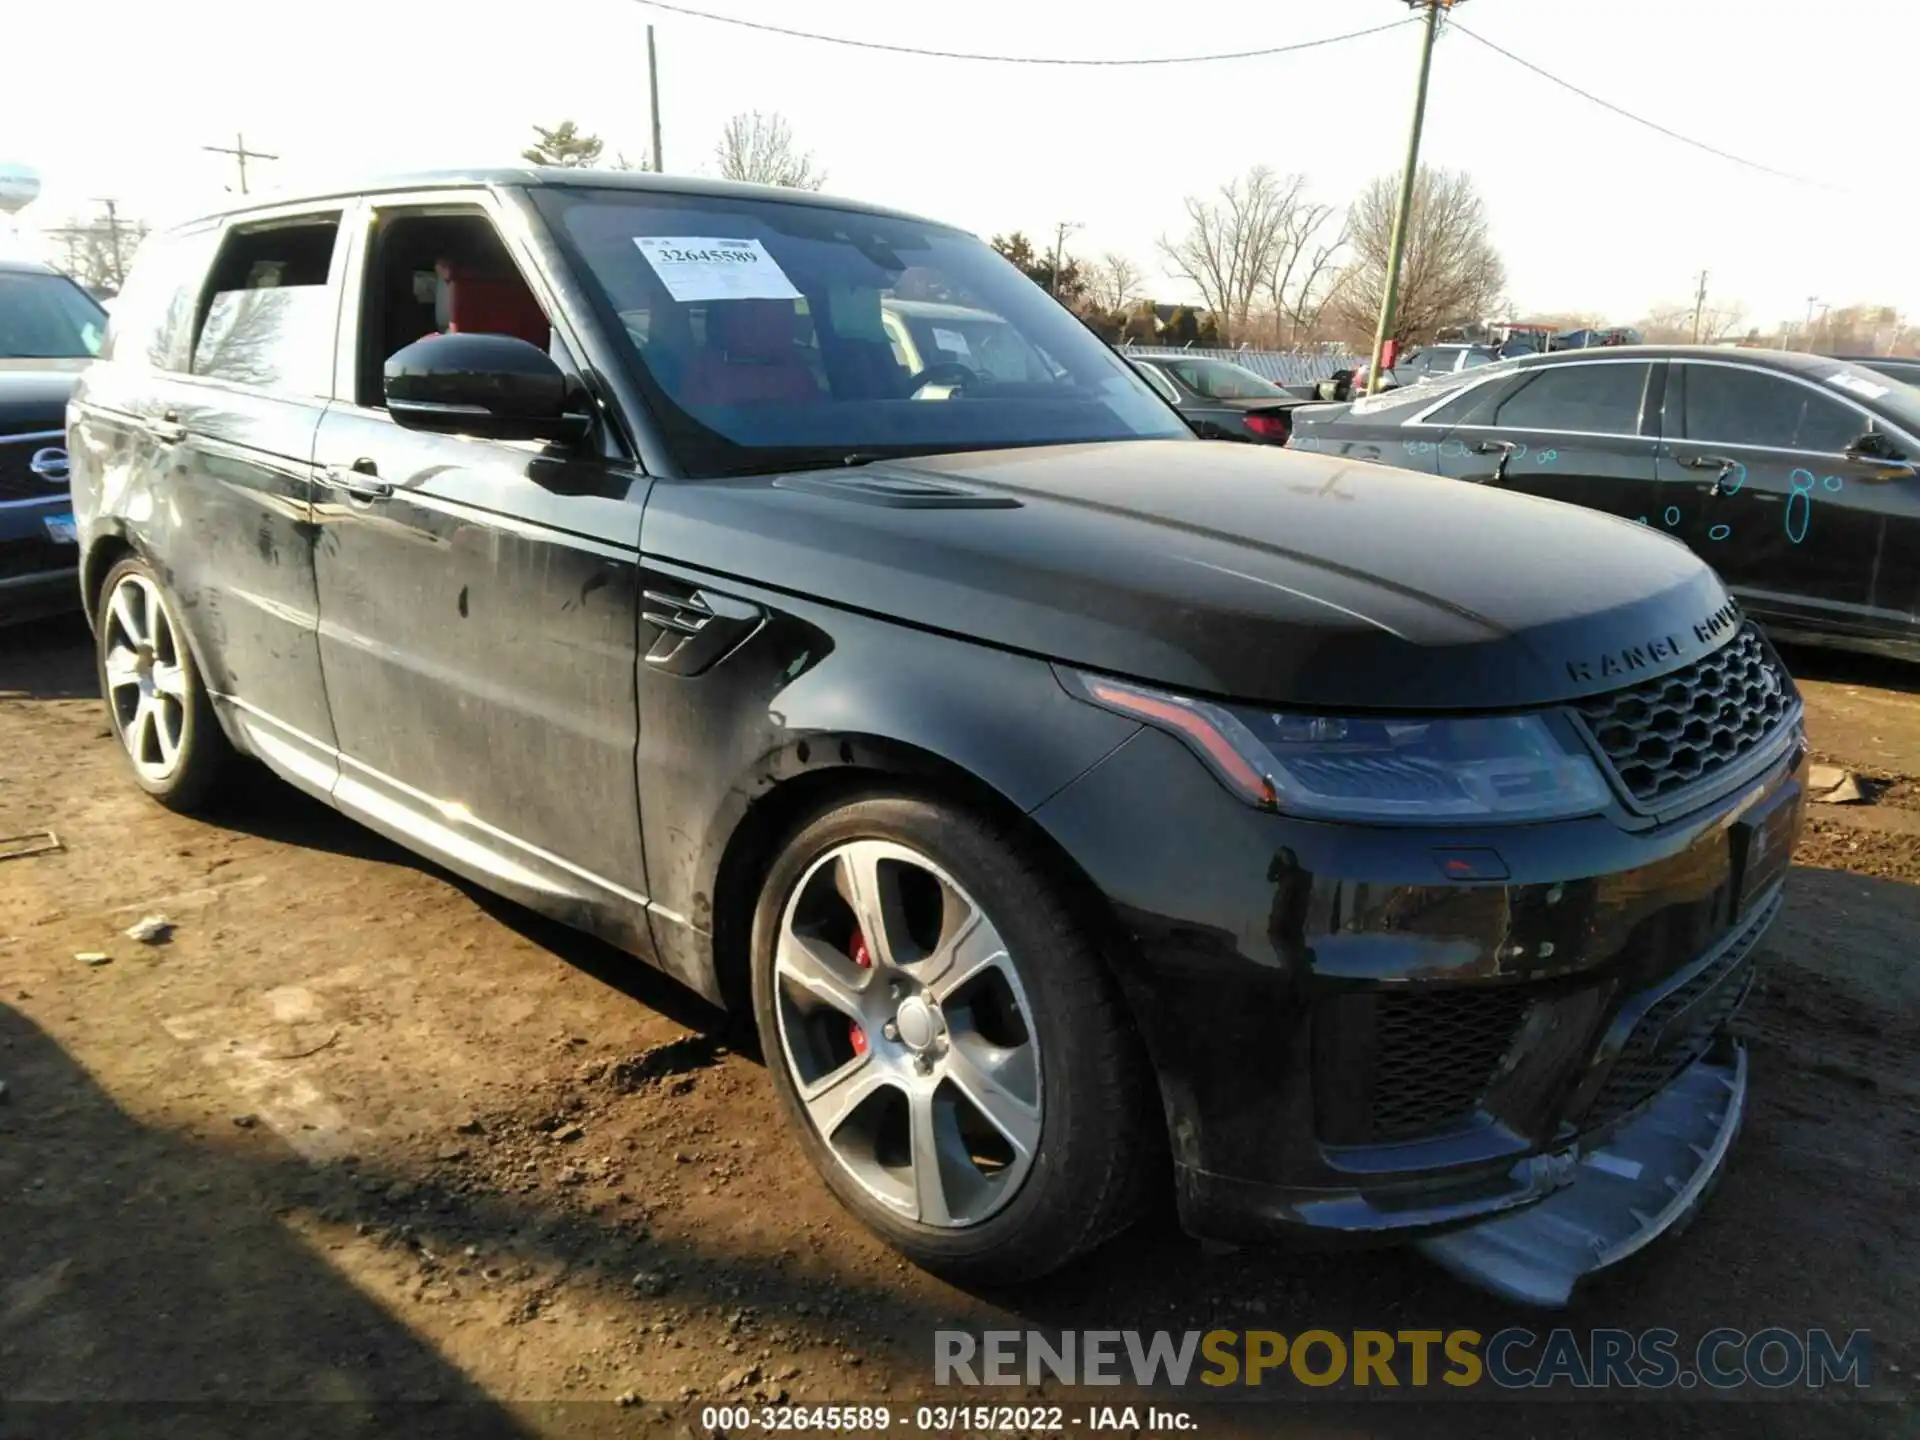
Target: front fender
column 814, row 702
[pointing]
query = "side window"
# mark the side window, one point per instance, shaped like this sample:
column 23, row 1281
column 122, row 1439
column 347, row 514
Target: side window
column 152, row 320
column 267, row 317
column 1473, row 407
column 445, row 271
column 1598, row 399
column 1747, row 407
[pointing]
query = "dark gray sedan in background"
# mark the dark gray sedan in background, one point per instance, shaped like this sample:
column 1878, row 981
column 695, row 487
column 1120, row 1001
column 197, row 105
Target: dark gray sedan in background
column 1793, row 475
column 1220, row 400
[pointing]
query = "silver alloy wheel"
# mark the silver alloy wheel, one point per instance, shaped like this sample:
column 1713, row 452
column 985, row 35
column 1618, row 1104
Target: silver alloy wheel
column 908, row 1034
column 146, row 683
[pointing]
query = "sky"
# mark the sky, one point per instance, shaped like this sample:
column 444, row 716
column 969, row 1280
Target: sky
column 1591, row 212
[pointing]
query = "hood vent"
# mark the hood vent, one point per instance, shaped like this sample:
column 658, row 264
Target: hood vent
column 896, row 492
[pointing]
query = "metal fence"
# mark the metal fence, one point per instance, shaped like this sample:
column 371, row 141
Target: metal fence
column 1283, row 367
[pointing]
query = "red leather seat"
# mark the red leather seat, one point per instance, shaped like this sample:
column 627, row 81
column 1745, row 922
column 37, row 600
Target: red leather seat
column 478, row 302
column 751, row 355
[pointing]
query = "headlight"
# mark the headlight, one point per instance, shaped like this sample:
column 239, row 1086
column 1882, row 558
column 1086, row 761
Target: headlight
column 1411, row 770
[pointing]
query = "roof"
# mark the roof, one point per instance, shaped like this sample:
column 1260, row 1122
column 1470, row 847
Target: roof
column 535, row 176
column 1797, row 360
column 17, row 266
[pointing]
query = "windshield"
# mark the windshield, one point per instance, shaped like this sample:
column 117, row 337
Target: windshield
column 1223, row 380
column 769, row 336
column 48, row 317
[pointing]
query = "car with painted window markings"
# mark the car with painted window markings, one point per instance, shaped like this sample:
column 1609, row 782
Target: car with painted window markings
column 1076, row 810
column 1796, row 476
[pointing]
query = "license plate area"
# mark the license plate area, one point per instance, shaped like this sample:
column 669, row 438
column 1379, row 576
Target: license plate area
column 1763, row 847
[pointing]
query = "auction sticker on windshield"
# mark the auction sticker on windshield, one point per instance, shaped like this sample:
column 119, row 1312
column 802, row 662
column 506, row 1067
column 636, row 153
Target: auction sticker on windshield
column 1859, row 385
column 696, row 267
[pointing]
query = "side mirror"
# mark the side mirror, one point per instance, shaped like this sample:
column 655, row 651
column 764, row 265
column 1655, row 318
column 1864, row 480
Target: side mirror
column 495, row 387
column 1875, row 450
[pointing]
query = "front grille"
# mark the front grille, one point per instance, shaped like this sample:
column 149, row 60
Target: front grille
column 1638, row 1073
column 1670, row 734
column 17, row 480
column 1435, row 1054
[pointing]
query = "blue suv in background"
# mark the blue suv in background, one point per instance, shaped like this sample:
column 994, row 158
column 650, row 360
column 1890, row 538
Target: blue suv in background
column 49, row 330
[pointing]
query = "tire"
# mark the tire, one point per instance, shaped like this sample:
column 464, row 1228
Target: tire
column 156, row 703
column 1069, row 1158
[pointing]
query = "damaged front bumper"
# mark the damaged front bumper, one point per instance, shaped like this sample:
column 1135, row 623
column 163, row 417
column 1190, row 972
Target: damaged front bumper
column 1650, row 1177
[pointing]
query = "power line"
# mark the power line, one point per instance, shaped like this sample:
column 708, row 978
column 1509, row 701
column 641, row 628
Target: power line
column 1638, row 119
column 1015, row 59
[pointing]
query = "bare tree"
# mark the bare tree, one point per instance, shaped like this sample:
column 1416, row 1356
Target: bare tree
column 1306, row 271
column 1450, row 271
column 1857, row 330
column 1232, row 240
column 98, row 253
column 1674, row 324
column 1113, row 282
column 760, row 149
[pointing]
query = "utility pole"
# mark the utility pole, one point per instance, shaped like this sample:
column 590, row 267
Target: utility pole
column 653, row 90
column 1699, row 304
column 1390, row 294
column 1060, row 233
column 1812, row 301
column 242, row 154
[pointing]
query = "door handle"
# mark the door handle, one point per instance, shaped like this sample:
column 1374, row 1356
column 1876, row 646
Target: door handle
column 1505, row 449
column 167, row 429
column 1718, row 463
column 361, row 481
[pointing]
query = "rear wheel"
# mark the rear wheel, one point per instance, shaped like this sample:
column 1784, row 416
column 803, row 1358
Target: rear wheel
column 951, row 1047
column 155, row 700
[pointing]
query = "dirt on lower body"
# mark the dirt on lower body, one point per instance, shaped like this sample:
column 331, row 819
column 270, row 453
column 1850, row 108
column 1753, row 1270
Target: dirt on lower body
column 358, row 1134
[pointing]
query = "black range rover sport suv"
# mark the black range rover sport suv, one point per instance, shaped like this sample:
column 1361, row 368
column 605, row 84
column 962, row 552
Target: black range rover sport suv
column 1074, row 806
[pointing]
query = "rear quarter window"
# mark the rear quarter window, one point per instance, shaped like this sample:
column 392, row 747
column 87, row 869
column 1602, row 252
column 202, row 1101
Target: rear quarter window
column 268, row 314
column 152, row 319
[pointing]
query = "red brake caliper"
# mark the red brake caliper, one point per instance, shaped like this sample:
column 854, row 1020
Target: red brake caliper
column 863, row 957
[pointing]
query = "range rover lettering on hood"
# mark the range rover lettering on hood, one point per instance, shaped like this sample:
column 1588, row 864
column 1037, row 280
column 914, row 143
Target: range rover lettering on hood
column 1657, row 651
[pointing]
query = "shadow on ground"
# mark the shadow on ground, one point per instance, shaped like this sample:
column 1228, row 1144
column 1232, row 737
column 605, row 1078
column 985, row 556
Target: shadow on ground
column 50, row 659
column 148, row 1276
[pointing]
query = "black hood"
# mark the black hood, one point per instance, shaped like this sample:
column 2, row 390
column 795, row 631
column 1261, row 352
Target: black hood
column 1234, row 570
column 33, row 393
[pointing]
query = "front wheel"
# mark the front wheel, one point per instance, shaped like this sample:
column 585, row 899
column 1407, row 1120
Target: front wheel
column 155, row 699
column 948, row 1042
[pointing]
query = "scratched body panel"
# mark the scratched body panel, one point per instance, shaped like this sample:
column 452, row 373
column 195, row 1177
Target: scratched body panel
column 478, row 634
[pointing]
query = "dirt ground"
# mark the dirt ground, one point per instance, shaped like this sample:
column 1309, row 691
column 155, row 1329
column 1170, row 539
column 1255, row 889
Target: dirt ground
column 361, row 1134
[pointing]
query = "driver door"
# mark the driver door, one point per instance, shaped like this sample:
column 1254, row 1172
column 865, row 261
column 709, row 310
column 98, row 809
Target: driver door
column 479, row 600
